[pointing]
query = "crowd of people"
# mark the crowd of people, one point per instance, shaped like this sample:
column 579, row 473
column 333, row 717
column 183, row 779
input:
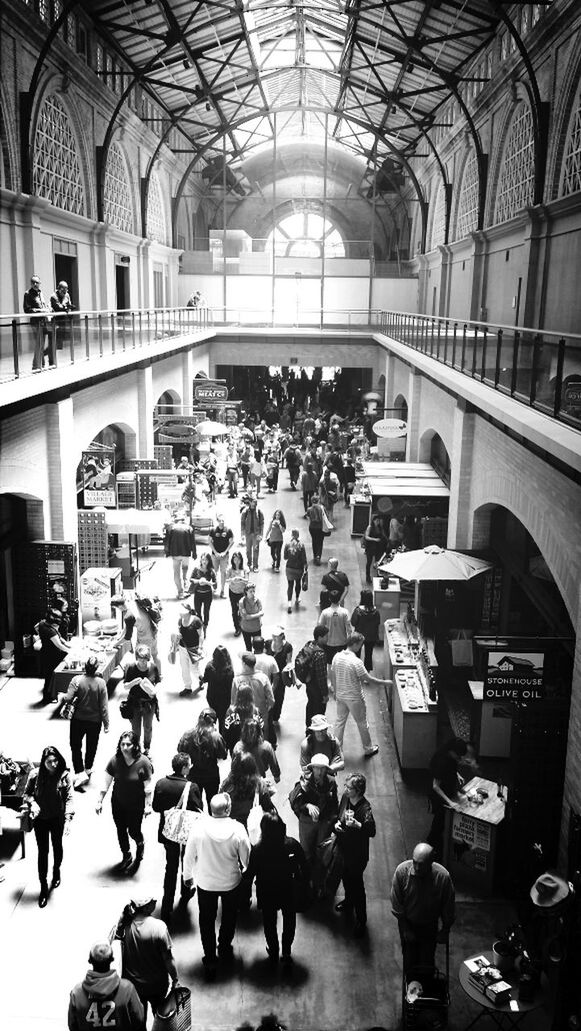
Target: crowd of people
column 235, row 839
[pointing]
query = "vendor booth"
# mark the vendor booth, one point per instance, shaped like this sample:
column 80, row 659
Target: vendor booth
column 409, row 488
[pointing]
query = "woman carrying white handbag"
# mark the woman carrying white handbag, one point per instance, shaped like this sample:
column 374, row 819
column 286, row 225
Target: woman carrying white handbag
column 179, row 804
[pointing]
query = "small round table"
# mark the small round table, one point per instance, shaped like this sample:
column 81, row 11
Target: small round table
column 513, row 1011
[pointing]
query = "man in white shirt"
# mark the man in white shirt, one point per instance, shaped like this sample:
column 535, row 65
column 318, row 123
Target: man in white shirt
column 216, row 856
column 348, row 674
column 336, row 619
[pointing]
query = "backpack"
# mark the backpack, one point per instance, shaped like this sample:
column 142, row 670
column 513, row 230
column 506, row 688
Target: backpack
column 304, row 662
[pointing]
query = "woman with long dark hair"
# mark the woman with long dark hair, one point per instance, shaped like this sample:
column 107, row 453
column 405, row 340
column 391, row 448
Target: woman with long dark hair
column 275, row 861
column 251, row 613
column 237, row 578
column 205, row 747
column 49, row 798
column 203, row 583
column 91, row 713
column 130, row 772
column 243, row 709
column 218, row 675
column 296, row 564
column 242, row 784
column 274, row 536
column 374, row 543
column 365, row 620
column 252, row 743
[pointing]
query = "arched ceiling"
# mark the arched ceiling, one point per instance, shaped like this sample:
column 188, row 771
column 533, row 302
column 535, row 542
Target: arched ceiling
column 369, row 76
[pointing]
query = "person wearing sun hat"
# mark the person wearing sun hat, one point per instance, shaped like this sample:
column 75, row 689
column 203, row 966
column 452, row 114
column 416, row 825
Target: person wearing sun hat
column 321, row 740
column 148, row 960
column 548, row 890
column 315, row 802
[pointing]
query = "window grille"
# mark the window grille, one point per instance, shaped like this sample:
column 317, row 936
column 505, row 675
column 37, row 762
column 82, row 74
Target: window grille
column 156, row 227
column 571, row 175
column 117, row 206
column 56, row 173
column 517, row 171
column 439, row 218
column 467, row 218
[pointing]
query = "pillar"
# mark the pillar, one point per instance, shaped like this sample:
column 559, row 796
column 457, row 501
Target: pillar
column 572, row 789
column 478, row 302
column 62, row 471
column 459, row 514
column 187, row 376
column 414, row 400
column 145, row 412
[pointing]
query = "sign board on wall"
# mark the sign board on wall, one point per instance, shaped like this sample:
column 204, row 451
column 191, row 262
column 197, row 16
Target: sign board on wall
column 98, row 472
column 179, row 429
column 514, row 676
column 209, row 391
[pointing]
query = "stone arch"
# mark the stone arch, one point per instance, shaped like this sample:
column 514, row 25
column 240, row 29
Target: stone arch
column 518, row 96
column 495, row 490
column 432, row 448
column 117, row 159
column 57, row 87
column 466, row 206
column 562, row 113
column 168, row 397
column 8, row 145
column 400, row 403
column 128, row 432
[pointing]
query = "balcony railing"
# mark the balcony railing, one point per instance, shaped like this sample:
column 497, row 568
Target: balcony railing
column 542, row 369
column 30, row 343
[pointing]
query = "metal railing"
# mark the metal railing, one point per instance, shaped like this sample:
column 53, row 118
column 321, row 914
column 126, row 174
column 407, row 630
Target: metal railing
column 31, row 343
column 542, row 369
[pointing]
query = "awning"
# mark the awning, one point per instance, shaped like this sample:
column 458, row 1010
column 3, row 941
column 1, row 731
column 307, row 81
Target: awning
column 133, row 520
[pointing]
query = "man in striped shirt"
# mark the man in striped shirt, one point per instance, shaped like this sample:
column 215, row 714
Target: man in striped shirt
column 348, row 674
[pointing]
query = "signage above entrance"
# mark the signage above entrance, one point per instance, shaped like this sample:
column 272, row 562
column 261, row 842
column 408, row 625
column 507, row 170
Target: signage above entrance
column 207, row 391
column 514, row 676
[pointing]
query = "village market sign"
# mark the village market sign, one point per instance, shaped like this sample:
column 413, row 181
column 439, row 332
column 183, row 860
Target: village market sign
column 514, row 676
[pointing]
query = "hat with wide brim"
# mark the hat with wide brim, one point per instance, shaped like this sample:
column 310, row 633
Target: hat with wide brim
column 319, row 722
column 142, row 901
column 320, row 760
column 548, row 890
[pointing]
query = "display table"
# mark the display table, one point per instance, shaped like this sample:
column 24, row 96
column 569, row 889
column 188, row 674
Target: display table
column 14, row 798
column 513, row 1011
column 70, row 668
column 415, row 720
column 402, row 648
column 471, row 835
column 360, row 505
column 493, row 724
column 387, row 600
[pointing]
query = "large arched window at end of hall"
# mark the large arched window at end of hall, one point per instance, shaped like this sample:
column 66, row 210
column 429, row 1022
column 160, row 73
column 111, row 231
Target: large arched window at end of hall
column 156, row 223
column 117, row 206
column 571, row 171
column 438, row 232
column 56, row 169
column 306, row 234
column 467, row 216
column 516, row 177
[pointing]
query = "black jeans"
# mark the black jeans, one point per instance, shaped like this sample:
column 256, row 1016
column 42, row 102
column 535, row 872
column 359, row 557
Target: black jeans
column 278, row 689
column 355, row 899
column 234, row 602
column 368, row 647
column 208, row 785
column 84, row 729
column 248, row 635
column 152, row 992
column 203, row 602
column 269, row 921
column 315, row 704
column 128, row 822
column 172, row 864
column 208, row 909
column 275, row 550
column 317, row 538
column 46, row 831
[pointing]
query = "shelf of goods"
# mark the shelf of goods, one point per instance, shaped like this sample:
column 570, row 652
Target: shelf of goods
column 471, row 833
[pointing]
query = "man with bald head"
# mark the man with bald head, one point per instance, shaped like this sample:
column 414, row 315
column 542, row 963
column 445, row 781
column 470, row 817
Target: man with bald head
column 104, row 999
column 422, row 901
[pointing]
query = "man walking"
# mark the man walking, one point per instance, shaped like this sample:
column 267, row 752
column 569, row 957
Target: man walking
column 336, row 620
column 221, row 543
column 252, row 526
column 317, row 684
column 334, row 581
column 167, row 794
column 422, row 898
column 262, row 692
column 348, row 674
column 104, row 999
column 180, row 545
column 148, row 960
column 217, row 853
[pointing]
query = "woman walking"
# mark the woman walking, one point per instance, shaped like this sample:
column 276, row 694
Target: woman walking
column 218, row 675
column 314, row 514
column 275, row 862
column 130, row 773
column 91, row 713
column 274, row 537
column 252, row 743
column 354, row 828
column 205, row 747
column 237, row 578
column 143, row 616
column 309, row 483
column 141, row 678
column 243, row 709
column 251, row 613
column 189, row 640
column 243, row 783
column 296, row 565
column 374, row 544
column 365, row 620
column 48, row 797
column 203, row 583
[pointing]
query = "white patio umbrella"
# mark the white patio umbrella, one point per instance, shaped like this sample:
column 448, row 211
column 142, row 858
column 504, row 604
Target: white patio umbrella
column 434, row 563
column 209, row 428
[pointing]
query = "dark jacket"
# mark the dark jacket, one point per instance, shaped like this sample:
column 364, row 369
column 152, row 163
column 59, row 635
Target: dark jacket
column 204, row 757
column 166, row 795
column 307, row 792
column 353, row 842
column 366, row 622
column 180, row 540
column 274, row 873
column 110, row 998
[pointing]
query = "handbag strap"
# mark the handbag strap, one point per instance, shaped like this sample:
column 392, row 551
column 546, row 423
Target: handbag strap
column 256, row 801
column 185, row 796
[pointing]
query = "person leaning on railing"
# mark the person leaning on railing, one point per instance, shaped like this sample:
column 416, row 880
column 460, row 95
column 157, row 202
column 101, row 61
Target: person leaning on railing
column 61, row 304
column 35, row 304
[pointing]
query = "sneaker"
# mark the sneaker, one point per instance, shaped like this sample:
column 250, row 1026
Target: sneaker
column 126, row 861
column 221, row 594
column 369, row 752
column 186, row 691
column 89, row 773
column 289, row 608
column 81, row 779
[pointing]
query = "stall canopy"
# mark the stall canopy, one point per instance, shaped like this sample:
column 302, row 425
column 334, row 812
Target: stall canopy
column 433, row 563
column 133, row 520
column 404, row 479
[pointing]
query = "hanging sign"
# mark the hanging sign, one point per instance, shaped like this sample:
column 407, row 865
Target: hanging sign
column 179, row 429
column 514, row 676
column 208, row 391
column 390, row 428
column 98, row 471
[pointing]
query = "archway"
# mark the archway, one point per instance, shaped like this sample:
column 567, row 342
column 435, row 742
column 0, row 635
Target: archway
column 21, row 520
column 400, row 408
column 115, row 443
column 433, row 450
column 167, row 401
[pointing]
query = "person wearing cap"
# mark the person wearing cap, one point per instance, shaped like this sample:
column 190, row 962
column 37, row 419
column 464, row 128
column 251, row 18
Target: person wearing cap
column 422, row 901
column 103, row 999
column 218, row 853
column 320, row 740
column 91, row 713
column 282, row 653
column 221, row 543
column 314, row 801
column 189, row 640
column 551, row 942
column 348, row 675
column 148, row 960
column 254, row 678
column 167, row 794
column 317, row 685
column 354, row 828
column 180, row 546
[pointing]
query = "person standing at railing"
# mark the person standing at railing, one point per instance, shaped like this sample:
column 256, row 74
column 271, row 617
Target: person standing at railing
column 61, row 304
column 35, row 304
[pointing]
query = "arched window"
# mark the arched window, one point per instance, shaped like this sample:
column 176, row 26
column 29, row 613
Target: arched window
column 118, row 209
column 439, row 217
column 571, row 172
column 467, row 217
column 56, row 169
column 306, row 235
column 516, row 177
column 156, row 227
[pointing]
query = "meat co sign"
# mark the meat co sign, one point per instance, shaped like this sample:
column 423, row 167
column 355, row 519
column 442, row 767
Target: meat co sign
column 209, row 391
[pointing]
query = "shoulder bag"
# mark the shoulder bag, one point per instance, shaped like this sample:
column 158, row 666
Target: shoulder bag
column 179, row 820
column 254, row 817
column 305, row 581
column 326, row 523
column 69, row 708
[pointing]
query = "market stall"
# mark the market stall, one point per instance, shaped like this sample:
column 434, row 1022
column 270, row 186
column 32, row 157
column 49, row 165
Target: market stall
column 472, row 832
column 415, row 718
column 409, row 488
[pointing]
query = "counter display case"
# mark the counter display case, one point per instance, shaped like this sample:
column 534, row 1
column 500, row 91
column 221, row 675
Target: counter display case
column 415, row 720
column 387, row 600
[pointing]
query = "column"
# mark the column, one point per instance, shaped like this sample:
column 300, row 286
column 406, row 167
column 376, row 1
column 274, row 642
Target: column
column 459, row 514
column 572, row 789
column 414, row 400
column 146, row 402
column 389, row 383
column 62, row 471
column 187, row 376
column 478, row 305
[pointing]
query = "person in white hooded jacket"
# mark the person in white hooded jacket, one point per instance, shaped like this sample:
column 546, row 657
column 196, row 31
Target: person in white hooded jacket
column 217, row 853
column 104, row 999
